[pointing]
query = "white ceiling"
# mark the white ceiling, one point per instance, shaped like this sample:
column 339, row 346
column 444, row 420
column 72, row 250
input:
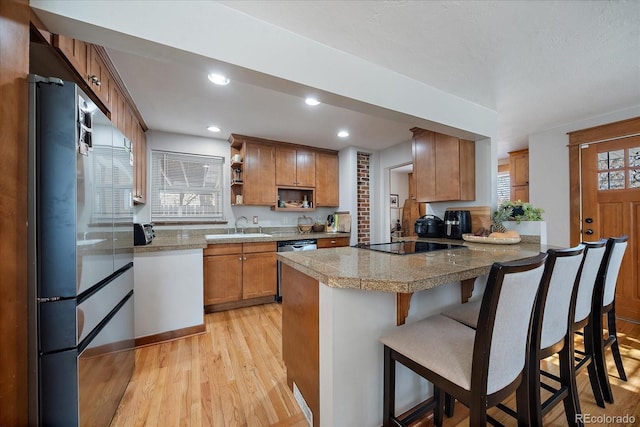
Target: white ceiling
column 538, row 64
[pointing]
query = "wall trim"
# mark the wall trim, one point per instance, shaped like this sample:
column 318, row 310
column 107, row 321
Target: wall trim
column 170, row 335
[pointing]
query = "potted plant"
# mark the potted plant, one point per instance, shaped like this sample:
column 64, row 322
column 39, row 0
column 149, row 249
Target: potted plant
column 517, row 211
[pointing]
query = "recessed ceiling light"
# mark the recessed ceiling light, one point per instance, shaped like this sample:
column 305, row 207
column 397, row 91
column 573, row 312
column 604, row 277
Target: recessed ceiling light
column 213, row 129
column 343, row 134
column 312, row 101
column 219, row 79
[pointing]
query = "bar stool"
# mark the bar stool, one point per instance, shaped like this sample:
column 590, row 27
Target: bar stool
column 555, row 335
column 604, row 303
column 478, row 367
column 593, row 261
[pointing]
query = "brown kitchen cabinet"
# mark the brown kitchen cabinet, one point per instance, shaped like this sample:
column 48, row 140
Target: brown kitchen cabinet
column 88, row 64
column 519, row 175
column 259, row 274
column 98, row 77
column 76, row 52
column 295, row 167
column 327, row 184
column 222, row 273
column 258, row 171
column 333, row 242
column 412, row 186
column 443, row 167
column 239, row 275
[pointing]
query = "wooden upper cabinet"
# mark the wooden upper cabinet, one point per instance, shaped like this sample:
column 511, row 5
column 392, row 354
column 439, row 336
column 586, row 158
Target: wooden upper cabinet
column 519, row 175
column 295, row 167
column 75, row 51
column 412, row 186
column 327, row 184
column 98, row 77
column 259, row 187
column 443, row 167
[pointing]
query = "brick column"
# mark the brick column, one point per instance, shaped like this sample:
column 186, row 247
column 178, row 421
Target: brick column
column 364, row 211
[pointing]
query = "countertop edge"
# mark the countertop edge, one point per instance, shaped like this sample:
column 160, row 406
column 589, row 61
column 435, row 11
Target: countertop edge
column 179, row 242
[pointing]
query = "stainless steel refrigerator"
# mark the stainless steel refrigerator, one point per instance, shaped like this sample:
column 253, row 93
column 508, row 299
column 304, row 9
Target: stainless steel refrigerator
column 81, row 331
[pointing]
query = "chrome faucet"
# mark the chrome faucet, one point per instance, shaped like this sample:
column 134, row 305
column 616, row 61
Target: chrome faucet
column 238, row 219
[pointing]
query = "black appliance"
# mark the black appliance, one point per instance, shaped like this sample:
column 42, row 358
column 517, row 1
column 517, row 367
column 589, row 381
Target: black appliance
column 293, row 246
column 143, row 234
column 80, row 258
column 408, row 247
column 429, row 226
column 456, row 223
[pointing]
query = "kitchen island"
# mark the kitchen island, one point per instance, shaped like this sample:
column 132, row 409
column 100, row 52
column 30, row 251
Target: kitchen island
column 338, row 302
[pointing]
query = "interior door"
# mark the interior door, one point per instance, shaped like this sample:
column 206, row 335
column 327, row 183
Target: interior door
column 610, row 190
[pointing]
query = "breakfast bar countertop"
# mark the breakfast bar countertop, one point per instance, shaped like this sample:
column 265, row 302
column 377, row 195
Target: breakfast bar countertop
column 354, row 268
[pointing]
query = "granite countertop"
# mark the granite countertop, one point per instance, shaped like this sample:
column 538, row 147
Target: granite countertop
column 183, row 240
column 354, row 268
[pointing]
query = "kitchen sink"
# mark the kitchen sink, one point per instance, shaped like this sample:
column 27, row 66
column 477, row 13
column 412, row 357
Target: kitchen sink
column 236, row 236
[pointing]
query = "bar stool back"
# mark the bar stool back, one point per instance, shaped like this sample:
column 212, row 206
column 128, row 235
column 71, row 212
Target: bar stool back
column 604, row 303
column 592, row 263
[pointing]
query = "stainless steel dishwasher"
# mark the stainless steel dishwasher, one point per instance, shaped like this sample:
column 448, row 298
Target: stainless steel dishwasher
column 293, row 246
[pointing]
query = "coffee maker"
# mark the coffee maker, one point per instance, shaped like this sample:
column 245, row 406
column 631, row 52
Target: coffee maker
column 456, row 223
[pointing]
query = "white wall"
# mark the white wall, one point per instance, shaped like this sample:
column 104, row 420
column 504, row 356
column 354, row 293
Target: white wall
column 549, row 171
column 157, row 140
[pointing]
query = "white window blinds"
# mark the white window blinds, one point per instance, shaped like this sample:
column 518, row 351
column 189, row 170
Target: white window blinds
column 186, row 186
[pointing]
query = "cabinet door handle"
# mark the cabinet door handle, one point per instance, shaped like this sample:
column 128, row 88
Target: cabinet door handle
column 94, row 79
column 333, row 242
column 239, row 258
column 244, row 258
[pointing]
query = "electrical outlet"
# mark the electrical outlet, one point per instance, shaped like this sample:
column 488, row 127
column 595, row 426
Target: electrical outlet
column 255, row 219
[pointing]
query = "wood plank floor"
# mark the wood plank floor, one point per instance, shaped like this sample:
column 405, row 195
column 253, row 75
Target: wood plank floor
column 233, row 375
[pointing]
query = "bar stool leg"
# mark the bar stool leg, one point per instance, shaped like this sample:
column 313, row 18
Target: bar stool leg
column 439, row 407
column 588, row 340
column 615, row 349
column 449, row 405
column 389, row 393
column 568, row 377
column 598, row 358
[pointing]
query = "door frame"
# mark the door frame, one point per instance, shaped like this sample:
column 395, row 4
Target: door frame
column 576, row 138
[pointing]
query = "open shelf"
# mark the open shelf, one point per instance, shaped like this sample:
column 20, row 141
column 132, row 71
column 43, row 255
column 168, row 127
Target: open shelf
column 295, row 195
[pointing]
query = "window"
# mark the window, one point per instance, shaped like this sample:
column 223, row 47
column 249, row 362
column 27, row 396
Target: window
column 612, row 170
column 504, row 187
column 186, row 187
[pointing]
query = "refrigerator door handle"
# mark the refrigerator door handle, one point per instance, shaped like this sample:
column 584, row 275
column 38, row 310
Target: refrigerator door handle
column 49, row 299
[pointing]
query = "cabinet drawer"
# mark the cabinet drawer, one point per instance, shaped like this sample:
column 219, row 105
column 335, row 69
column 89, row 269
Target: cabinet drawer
column 254, row 247
column 333, row 242
column 223, row 249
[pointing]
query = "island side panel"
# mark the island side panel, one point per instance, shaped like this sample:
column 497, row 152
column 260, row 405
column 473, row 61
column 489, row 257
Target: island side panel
column 351, row 364
column 301, row 336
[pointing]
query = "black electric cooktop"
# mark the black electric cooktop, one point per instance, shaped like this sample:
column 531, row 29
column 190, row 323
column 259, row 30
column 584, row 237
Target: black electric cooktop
column 408, row 247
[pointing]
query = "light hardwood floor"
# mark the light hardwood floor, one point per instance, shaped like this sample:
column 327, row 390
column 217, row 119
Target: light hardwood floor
column 233, row 375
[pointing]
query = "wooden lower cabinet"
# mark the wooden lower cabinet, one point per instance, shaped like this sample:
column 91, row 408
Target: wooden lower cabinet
column 259, row 275
column 222, row 279
column 333, row 242
column 239, row 275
